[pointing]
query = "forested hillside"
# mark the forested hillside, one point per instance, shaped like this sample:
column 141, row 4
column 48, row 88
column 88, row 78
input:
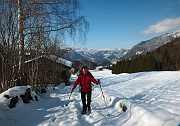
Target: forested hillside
column 166, row 57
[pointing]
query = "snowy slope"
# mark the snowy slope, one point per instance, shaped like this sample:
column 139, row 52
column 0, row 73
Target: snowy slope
column 152, row 99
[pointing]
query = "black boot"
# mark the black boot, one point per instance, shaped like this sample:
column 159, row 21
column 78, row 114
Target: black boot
column 84, row 110
column 89, row 106
column 89, row 109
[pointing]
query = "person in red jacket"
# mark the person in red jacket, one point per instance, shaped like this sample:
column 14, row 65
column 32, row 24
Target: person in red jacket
column 85, row 78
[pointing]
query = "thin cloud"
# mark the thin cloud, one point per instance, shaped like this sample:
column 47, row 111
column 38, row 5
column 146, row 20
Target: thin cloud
column 163, row 26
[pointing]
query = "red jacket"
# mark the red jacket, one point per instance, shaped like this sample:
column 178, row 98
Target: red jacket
column 85, row 81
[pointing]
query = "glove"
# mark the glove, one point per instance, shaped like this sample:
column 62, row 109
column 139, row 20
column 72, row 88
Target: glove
column 72, row 89
column 98, row 82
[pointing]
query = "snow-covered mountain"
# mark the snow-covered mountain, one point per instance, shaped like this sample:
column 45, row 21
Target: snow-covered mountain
column 108, row 56
column 152, row 44
column 97, row 55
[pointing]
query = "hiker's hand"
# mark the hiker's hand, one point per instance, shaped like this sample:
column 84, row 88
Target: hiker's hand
column 98, row 81
column 72, row 89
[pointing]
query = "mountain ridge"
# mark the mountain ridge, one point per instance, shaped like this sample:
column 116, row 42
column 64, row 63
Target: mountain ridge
column 149, row 45
column 112, row 55
column 96, row 55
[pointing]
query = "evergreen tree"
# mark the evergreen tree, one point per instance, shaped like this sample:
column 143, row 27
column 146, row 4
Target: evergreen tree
column 152, row 63
column 167, row 63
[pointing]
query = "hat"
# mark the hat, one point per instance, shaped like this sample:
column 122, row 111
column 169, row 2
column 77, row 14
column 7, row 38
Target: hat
column 84, row 67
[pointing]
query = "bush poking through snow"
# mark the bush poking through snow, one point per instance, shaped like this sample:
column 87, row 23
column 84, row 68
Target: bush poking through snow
column 13, row 102
column 124, row 108
column 13, row 95
column 27, row 96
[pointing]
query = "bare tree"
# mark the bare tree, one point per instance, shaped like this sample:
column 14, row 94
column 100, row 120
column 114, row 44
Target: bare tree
column 8, row 38
column 31, row 24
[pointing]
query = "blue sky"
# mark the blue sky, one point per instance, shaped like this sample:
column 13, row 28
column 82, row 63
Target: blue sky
column 125, row 23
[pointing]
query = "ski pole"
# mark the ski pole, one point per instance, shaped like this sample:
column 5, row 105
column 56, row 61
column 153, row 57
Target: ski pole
column 69, row 97
column 104, row 99
column 70, row 94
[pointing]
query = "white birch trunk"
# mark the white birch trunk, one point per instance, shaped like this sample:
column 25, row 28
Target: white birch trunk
column 21, row 41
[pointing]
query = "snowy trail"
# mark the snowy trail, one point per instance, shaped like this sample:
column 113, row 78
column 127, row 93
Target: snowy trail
column 100, row 113
column 97, row 117
column 152, row 98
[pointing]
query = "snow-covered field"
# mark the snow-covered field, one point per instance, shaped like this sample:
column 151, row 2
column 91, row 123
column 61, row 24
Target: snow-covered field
column 152, row 99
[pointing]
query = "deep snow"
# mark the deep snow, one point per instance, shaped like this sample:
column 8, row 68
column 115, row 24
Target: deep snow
column 152, row 99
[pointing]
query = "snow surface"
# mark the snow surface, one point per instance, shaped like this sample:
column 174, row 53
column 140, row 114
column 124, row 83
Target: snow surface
column 152, row 99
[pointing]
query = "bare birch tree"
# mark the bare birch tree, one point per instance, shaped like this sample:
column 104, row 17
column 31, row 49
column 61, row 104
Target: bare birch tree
column 8, row 38
column 30, row 24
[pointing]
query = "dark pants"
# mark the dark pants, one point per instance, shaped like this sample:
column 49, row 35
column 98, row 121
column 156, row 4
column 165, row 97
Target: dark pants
column 83, row 98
